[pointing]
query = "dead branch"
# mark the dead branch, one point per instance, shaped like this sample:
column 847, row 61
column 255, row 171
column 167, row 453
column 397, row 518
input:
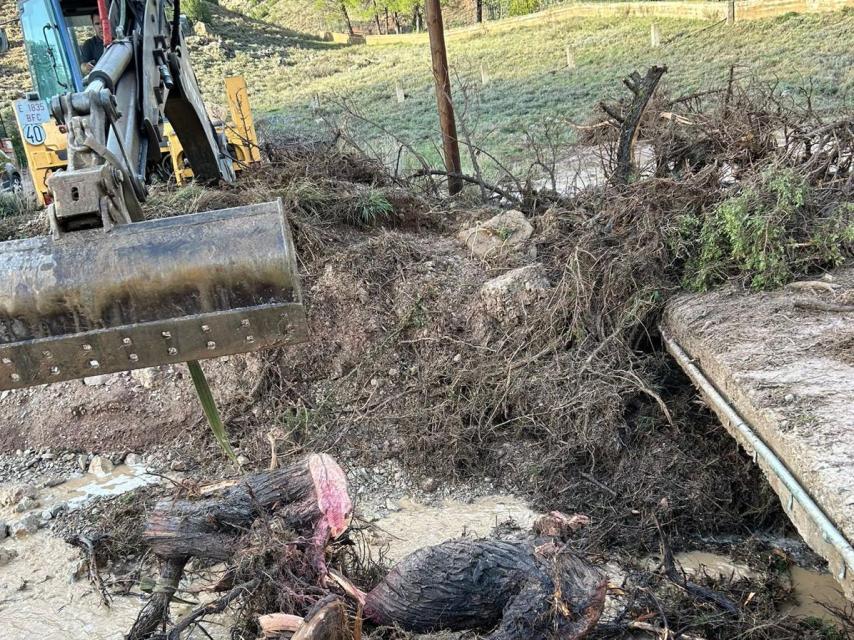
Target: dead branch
column 473, row 180
column 818, row 305
column 642, row 88
column 216, row 606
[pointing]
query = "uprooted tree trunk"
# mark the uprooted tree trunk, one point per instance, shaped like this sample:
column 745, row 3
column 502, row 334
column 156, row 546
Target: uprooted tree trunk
column 309, row 496
column 643, row 89
column 520, row 589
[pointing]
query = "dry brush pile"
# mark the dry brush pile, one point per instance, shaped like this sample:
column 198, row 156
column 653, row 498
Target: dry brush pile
column 551, row 380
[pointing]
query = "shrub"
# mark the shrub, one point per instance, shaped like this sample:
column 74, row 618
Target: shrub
column 523, row 7
column 771, row 231
column 197, row 10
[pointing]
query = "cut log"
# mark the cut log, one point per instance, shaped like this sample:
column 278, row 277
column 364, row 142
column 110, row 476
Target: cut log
column 327, row 620
column 515, row 589
column 310, row 495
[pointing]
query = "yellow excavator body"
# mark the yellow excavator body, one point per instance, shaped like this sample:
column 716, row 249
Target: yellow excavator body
column 46, row 148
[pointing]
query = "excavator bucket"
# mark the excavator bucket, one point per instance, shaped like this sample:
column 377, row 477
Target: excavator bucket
column 156, row 292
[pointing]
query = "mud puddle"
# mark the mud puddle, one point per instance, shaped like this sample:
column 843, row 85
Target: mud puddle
column 416, row 525
column 76, row 492
column 39, row 597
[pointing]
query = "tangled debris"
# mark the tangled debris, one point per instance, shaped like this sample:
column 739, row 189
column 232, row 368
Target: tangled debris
column 538, row 363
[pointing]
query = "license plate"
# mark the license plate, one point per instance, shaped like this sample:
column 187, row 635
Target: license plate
column 32, row 112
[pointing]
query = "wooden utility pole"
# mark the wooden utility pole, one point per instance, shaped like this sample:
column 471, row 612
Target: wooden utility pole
column 450, row 144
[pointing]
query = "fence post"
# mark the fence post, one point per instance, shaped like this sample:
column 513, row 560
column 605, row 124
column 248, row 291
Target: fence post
column 484, row 77
column 570, row 58
column 445, row 104
column 730, row 12
column 398, row 90
column 655, row 36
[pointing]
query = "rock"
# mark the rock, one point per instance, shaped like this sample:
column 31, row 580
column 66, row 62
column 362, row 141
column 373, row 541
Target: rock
column 47, row 456
column 26, row 526
column 46, row 515
column 178, row 465
column 14, row 495
column 82, row 461
column 53, row 482
column 505, row 232
column 101, row 466
column 4, row 530
column 506, row 297
column 26, row 504
column 96, row 381
column 133, row 459
column 391, row 505
column 59, row 507
column 201, row 29
column 429, row 485
column 7, row 555
column 242, row 461
column 147, row 377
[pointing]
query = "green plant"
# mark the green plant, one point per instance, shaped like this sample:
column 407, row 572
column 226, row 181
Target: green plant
column 523, row 7
column 370, row 208
column 209, row 407
column 11, row 205
column 197, row 10
column 767, row 234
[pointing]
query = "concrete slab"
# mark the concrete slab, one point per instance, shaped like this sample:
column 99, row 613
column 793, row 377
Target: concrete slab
column 788, row 371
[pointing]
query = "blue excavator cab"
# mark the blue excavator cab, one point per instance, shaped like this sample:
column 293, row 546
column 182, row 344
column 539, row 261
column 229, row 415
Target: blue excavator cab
column 51, row 41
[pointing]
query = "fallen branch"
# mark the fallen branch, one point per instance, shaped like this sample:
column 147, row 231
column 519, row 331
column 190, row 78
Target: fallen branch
column 818, row 305
column 491, row 187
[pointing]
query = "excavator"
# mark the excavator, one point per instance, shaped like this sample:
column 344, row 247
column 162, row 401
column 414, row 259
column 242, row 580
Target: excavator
column 107, row 290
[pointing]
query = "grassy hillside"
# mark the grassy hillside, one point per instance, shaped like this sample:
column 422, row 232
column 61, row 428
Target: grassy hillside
column 300, row 16
column 528, row 81
column 307, row 16
column 528, row 78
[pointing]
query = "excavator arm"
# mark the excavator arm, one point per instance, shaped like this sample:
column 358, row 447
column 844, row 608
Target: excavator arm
column 107, row 291
column 115, row 125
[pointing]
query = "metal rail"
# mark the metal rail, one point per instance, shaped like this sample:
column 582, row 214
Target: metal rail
column 829, row 531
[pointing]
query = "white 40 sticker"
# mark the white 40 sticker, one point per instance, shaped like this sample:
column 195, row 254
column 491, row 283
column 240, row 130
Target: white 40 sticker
column 34, row 133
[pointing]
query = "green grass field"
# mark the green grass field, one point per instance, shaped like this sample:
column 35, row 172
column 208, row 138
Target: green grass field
column 528, row 77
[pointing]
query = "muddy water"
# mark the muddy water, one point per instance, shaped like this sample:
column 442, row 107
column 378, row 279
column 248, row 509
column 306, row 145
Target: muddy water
column 416, row 525
column 38, row 600
column 809, row 588
column 77, row 491
column 38, row 596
